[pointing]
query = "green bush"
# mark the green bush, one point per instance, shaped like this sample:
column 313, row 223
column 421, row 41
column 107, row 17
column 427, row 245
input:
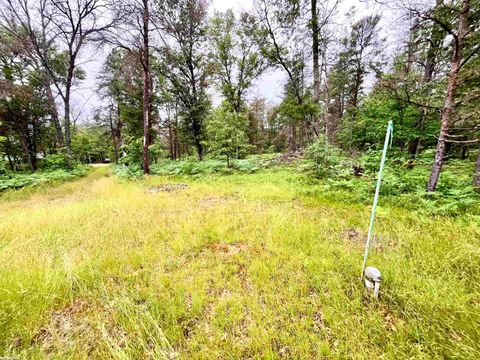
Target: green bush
column 124, row 171
column 227, row 133
column 327, row 160
column 194, row 167
column 3, row 167
column 132, row 152
column 57, row 162
column 401, row 186
column 19, row 180
column 191, row 166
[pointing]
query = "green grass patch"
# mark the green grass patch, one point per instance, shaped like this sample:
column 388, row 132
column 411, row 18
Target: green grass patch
column 250, row 265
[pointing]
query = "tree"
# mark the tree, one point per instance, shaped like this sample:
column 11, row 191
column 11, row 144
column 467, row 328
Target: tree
column 90, row 143
column 360, row 56
column 23, row 105
column 362, row 51
column 257, row 124
column 476, row 176
column 435, row 37
column 77, row 24
column 459, row 35
column 145, row 61
column 185, row 64
column 320, row 18
column 69, row 25
column 236, row 55
column 284, row 46
column 133, row 33
column 107, row 118
column 119, row 85
column 38, row 45
column 226, row 130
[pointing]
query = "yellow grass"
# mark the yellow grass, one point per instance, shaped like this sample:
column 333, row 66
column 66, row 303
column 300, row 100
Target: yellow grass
column 241, row 266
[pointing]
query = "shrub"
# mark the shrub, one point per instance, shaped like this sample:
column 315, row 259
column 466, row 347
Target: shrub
column 400, row 186
column 19, row 180
column 3, row 167
column 57, row 162
column 194, row 167
column 327, row 160
column 132, row 152
column 227, row 133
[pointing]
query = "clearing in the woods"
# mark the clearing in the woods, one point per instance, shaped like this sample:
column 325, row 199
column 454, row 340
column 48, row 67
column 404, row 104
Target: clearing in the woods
column 239, row 266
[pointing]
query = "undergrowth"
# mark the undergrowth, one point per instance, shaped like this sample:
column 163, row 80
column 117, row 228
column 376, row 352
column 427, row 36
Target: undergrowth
column 329, row 173
column 353, row 180
column 192, row 166
column 13, row 180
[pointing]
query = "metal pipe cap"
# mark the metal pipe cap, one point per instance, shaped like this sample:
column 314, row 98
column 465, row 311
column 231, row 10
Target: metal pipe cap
column 373, row 274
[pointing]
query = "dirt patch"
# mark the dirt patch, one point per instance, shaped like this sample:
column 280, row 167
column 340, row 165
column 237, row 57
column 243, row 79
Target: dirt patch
column 288, row 157
column 283, row 351
column 358, row 238
column 67, row 325
column 166, row 188
column 230, row 249
column 212, row 201
column 244, row 279
column 354, row 236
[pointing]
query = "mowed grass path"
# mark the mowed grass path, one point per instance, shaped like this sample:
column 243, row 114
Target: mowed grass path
column 230, row 267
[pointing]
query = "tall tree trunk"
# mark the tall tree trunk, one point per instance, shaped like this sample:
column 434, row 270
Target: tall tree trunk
column 27, row 151
column 447, row 110
column 118, row 131
column 356, row 89
column 178, row 155
column 146, row 88
column 293, row 137
column 464, row 153
column 68, row 91
column 33, row 144
column 54, row 114
column 7, row 150
column 315, row 55
column 68, row 136
column 113, row 133
column 198, row 145
column 412, row 151
column 171, row 140
column 326, row 114
column 476, row 176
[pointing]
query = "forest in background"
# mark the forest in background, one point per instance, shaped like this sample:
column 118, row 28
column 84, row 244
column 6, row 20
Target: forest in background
column 166, row 58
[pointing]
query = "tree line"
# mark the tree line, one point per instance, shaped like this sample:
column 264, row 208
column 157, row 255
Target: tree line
column 166, row 59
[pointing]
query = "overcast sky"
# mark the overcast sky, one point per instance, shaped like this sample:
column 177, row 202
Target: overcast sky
column 270, row 85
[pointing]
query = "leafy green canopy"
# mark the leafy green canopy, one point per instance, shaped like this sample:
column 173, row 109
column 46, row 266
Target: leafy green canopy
column 227, row 133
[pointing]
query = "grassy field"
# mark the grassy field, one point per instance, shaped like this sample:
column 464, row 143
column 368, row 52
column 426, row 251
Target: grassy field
column 229, row 267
